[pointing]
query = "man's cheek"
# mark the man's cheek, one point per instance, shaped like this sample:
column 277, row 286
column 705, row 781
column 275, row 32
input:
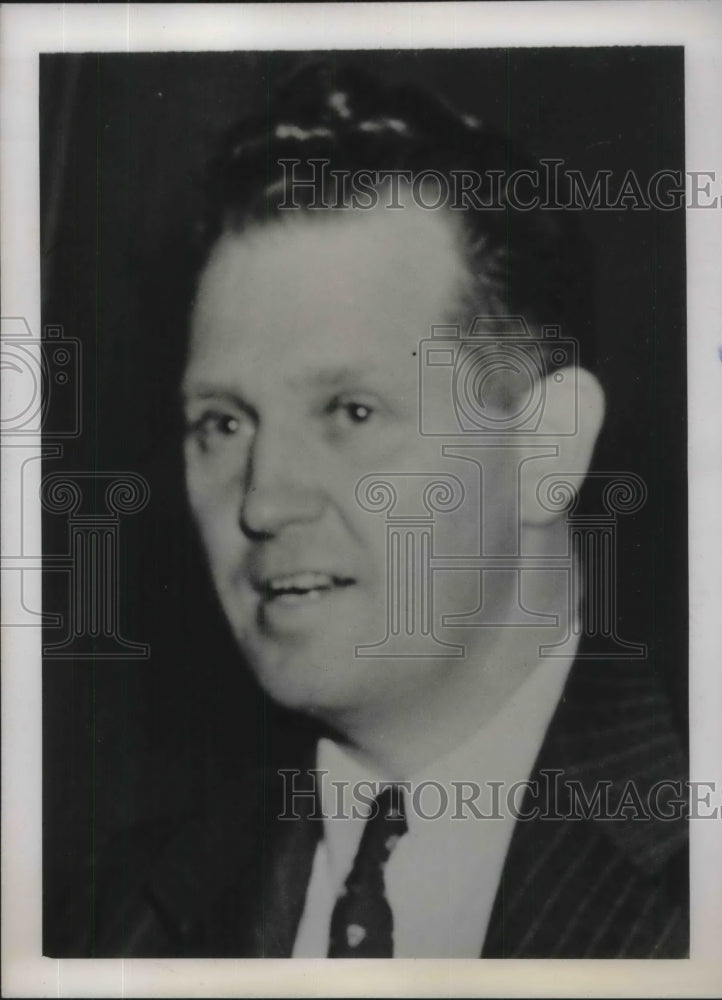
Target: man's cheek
column 219, row 545
column 214, row 512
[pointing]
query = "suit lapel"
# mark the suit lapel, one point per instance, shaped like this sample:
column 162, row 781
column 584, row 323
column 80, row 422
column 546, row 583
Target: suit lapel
column 597, row 887
column 232, row 881
column 207, row 885
column 287, row 874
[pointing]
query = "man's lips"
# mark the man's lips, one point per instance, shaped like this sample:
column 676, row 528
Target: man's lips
column 300, row 584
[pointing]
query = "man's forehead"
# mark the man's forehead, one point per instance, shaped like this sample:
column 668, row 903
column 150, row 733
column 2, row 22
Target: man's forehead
column 313, row 375
column 340, row 269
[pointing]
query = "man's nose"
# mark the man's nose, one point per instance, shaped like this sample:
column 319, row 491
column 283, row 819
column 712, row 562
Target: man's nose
column 281, row 486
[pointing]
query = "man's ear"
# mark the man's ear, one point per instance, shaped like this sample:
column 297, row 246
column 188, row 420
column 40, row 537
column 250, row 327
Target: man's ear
column 576, row 392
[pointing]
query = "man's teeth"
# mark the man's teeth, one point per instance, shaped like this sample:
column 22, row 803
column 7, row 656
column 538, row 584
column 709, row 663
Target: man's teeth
column 305, row 583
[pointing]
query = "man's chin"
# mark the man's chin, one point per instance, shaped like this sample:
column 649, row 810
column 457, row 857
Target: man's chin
column 322, row 680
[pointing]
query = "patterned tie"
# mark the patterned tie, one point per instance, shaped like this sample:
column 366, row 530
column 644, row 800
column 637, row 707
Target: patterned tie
column 362, row 922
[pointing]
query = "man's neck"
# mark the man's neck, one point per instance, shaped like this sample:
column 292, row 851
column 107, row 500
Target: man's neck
column 401, row 738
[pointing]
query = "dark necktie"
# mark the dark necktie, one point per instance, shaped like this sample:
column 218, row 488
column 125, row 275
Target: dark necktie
column 362, row 922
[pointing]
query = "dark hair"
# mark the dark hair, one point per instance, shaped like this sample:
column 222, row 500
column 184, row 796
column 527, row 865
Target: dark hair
column 534, row 263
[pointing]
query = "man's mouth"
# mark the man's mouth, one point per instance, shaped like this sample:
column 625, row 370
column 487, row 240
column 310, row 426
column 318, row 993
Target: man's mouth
column 306, row 585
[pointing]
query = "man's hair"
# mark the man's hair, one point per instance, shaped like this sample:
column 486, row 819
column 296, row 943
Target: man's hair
column 534, row 263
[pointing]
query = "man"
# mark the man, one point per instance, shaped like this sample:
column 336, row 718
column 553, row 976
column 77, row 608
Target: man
column 428, row 812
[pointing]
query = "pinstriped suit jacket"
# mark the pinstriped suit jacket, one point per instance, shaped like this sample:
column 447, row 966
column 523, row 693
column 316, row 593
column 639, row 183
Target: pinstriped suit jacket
column 233, row 881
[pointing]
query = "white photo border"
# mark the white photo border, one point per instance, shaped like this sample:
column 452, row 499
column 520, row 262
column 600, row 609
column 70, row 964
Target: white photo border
column 29, row 29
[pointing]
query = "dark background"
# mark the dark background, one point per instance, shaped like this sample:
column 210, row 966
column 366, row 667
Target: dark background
column 123, row 144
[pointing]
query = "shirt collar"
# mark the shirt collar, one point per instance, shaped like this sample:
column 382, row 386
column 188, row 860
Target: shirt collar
column 503, row 750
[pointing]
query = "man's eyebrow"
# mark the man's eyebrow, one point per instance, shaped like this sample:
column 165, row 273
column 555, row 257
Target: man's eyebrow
column 202, row 390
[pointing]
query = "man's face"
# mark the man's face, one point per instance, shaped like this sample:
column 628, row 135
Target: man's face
column 302, row 378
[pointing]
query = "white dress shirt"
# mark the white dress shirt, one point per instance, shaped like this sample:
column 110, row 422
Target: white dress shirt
column 442, row 877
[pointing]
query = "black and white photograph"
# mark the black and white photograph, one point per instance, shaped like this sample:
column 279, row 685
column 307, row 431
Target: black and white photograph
column 358, row 427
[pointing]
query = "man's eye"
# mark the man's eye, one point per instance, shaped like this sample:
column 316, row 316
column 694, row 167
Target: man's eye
column 211, row 428
column 352, row 411
column 358, row 413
